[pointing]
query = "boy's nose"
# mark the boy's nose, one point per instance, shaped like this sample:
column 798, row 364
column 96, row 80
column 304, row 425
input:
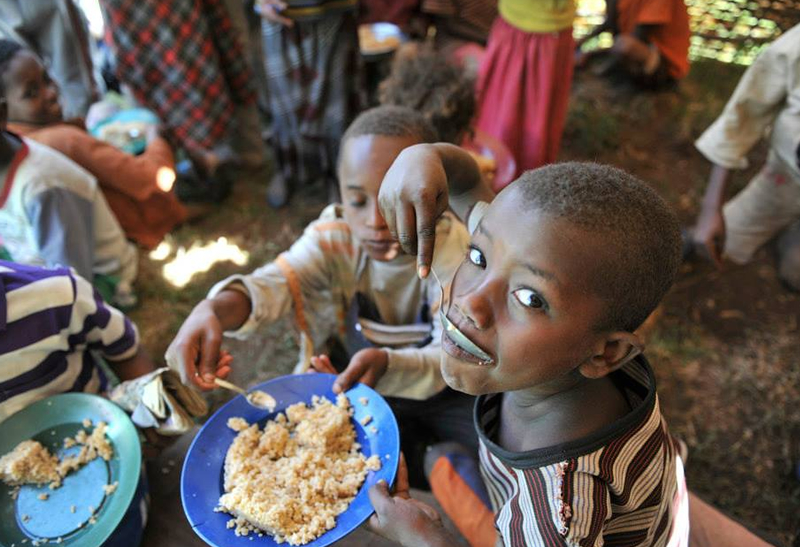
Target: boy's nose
column 476, row 308
column 375, row 220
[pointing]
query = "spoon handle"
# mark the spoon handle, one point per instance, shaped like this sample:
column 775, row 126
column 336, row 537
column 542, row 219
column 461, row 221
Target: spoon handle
column 227, row 385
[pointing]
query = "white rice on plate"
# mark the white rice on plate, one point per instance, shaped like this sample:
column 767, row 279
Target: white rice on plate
column 294, row 477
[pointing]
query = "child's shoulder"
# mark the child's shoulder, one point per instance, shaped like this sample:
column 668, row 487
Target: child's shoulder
column 330, row 221
column 44, row 168
column 37, row 285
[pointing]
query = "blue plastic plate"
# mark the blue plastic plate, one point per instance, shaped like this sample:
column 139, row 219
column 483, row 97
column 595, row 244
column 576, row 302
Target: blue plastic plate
column 202, row 476
column 49, row 421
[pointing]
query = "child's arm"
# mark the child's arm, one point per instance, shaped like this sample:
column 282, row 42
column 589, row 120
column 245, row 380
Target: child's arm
column 138, row 365
column 195, row 351
column 757, row 101
column 135, row 176
column 418, row 188
column 709, row 232
column 238, row 305
column 109, row 331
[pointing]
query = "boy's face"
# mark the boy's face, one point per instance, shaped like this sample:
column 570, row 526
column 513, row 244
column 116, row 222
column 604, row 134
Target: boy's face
column 32, row 96
column 365, row 161
column 523, row 295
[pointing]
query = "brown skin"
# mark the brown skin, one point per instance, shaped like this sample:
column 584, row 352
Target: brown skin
column 195, row 351
column 708, row 234
column 32, row 95
column 528, row 302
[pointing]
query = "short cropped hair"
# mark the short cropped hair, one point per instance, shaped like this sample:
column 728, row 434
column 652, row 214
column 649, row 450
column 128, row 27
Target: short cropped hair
column 641, row 249
column 441, row 91
column 8, row 50
column 391, row 121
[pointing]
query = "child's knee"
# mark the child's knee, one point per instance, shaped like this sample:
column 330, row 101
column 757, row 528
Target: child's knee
column 442, row 450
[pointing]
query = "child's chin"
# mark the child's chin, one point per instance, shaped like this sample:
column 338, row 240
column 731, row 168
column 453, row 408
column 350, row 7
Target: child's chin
column 464, row 377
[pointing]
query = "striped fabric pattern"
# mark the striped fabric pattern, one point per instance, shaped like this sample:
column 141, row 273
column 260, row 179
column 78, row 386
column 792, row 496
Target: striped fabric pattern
column 617, row 487
column 49, row 320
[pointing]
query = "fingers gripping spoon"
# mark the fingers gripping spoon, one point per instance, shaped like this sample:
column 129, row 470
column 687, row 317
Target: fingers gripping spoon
column 456, row 335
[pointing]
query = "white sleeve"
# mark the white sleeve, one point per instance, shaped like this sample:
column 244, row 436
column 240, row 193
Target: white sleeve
column 756, row 102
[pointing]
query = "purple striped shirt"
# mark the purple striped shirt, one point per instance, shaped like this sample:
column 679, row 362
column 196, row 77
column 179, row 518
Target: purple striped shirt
column 51, row 323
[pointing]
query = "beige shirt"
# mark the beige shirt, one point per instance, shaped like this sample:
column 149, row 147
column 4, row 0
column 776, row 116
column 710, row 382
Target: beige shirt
column 330, row 268
column 767, row 95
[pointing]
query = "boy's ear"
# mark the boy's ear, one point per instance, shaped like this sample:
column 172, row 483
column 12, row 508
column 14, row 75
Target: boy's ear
column 619, row 348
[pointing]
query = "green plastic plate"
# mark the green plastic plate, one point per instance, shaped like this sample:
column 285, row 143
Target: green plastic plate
column 66, row 511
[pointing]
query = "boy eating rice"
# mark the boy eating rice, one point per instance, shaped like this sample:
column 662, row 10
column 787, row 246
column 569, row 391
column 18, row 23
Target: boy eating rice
column 354, row 296
column 563, row 266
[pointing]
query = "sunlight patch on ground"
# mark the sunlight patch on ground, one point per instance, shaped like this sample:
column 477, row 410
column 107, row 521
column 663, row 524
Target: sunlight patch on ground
column 199, row 258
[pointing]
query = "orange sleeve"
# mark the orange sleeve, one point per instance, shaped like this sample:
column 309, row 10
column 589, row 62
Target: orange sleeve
column 655, row 12
column 134, row 176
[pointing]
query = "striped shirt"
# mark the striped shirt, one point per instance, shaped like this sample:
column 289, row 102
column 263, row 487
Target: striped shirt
column 621, row 486
column 49, row 322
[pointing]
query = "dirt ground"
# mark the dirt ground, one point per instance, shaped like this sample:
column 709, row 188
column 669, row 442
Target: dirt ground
column 723, row 343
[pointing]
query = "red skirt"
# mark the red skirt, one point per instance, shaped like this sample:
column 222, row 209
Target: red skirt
column 523, row 91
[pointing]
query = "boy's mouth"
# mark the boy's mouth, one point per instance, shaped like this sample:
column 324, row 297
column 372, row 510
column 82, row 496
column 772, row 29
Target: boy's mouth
column 387, row 247
column 457, row 344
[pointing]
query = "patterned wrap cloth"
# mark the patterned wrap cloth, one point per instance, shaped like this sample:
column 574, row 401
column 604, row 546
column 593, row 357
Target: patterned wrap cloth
column 314, row 82
column 183, row 60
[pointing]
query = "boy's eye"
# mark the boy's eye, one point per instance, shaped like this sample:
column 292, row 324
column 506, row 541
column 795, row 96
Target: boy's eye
column 529, row 299
column 476, row 257
column 358, row 202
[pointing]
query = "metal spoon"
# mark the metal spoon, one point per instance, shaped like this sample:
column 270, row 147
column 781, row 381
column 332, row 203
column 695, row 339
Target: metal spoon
column 257, row 398
column 452, row 331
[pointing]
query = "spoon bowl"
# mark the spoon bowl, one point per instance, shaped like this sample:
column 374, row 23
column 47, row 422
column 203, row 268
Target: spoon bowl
column 452, row 331
column 256, row 398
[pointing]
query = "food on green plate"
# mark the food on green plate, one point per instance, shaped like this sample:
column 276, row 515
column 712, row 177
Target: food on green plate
column 31, row 463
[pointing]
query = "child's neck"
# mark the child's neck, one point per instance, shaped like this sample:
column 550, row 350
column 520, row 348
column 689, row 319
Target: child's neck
column 531, row 419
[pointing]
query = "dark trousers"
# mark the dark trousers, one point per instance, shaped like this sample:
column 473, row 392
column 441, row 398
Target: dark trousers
column 445, row 417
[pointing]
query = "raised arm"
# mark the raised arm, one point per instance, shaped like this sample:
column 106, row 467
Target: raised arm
column 421, row 184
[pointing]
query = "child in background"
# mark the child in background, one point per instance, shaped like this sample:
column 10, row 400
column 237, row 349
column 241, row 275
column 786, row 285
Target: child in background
column 651, row 41
column 425, row 81
column 767, row 95
column 355, row 297
column 137, row 188
column 52, row 213
column 314, row 85
column 563, row 266
column 525, row 78
column 52, row 322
